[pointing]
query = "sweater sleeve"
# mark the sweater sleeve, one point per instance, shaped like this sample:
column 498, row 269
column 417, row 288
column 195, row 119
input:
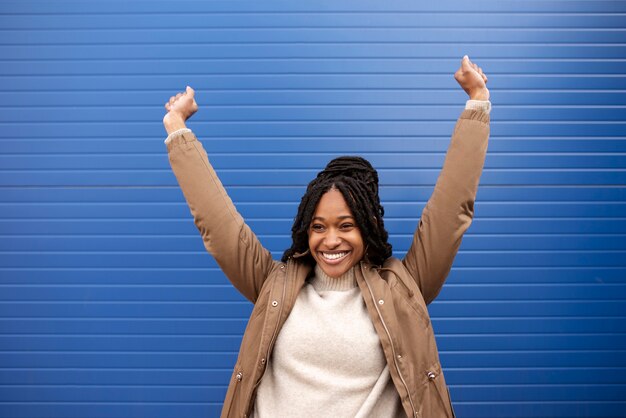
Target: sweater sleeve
column 224, row 233
column 450, row 209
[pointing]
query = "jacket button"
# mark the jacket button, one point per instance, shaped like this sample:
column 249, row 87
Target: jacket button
column 399, row 356
column 239, row 376
column 282, row 266
column 381, row 302
column 263, row 361
column 274, row 303
column 431, row 376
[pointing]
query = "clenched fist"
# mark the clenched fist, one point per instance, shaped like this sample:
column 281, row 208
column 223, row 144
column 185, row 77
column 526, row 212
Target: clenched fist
column 471, row 77
column 179, row 108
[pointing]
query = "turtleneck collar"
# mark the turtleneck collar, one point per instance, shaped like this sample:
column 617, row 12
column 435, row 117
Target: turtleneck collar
column 322, row 281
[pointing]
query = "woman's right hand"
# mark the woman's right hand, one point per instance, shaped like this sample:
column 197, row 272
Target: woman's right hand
column 179, row 108
column 471, row 77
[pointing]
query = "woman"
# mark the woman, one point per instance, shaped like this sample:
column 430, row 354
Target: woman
column 339, row 326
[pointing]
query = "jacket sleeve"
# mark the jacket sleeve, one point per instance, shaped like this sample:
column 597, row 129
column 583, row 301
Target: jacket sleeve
column 450, row 209
column 234, row 246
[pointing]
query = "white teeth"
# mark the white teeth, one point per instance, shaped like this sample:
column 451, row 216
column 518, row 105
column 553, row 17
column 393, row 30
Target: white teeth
column 334, row 256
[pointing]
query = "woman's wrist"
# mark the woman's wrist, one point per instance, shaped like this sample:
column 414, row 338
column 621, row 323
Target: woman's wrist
column 482, row 94
column 173, row 122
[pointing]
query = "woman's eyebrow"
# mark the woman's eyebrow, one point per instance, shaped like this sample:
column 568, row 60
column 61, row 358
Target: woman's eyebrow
column 321, row 218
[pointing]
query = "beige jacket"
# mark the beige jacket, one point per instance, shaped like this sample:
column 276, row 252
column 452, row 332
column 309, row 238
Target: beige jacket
column 395, row 294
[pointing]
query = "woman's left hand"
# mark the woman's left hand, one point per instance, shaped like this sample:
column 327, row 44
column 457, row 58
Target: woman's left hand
column 179, row 108
column 471, row 77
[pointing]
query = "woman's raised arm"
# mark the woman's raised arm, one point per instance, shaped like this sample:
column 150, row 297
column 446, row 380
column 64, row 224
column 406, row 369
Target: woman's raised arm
column 450, row 209
column 224, row 233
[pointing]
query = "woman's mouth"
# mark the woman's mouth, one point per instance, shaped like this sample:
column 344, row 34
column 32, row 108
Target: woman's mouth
column 334, row 258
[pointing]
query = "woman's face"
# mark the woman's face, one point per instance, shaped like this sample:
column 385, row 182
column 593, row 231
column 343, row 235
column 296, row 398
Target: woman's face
column 335, row 240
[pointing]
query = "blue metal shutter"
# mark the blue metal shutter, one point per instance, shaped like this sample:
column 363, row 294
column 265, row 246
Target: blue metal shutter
column 109, row 306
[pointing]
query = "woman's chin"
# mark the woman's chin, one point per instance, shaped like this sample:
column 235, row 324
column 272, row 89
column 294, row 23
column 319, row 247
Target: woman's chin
column 335, row 270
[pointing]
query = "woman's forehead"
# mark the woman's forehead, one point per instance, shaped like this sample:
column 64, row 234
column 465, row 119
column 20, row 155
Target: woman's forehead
column 332, row 205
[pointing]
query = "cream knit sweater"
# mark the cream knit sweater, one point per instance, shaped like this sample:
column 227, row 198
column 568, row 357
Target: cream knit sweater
column 328, row 361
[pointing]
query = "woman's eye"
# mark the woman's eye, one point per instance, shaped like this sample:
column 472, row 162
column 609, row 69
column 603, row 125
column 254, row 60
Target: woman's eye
column 347, row 226
column 317, row 227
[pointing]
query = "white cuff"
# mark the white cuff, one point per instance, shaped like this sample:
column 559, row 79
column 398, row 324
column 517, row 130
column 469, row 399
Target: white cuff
column 484, row 105
column 177, row 133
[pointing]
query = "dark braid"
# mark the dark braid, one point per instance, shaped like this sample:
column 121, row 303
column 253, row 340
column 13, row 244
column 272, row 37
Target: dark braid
column 357, row 181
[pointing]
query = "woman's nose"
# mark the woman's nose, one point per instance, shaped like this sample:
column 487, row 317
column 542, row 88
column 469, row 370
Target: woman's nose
column 332, row 239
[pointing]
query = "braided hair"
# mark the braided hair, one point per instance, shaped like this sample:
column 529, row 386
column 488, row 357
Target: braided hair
column 357, row 181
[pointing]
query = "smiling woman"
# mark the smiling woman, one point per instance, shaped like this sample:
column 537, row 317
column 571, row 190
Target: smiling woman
column 340, row 326
column 346, row 189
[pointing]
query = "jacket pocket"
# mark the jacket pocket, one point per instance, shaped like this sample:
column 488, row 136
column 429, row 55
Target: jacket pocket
column 409, row 298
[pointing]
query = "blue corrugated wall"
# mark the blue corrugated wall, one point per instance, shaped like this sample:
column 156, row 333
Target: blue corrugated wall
column 109, row 306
